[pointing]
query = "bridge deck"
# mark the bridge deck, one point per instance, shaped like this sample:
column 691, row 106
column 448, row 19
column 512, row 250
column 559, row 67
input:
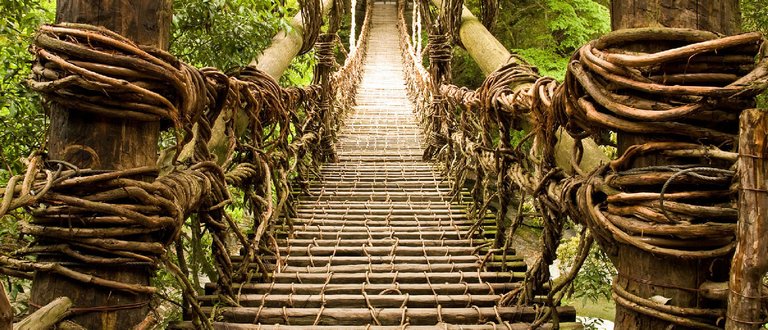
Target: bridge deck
column 379, row 244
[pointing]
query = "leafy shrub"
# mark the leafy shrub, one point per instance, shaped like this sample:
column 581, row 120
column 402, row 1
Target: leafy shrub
column 593, row 282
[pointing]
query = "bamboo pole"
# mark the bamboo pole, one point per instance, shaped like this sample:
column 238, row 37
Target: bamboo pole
column 750, row 261
column 490, row 54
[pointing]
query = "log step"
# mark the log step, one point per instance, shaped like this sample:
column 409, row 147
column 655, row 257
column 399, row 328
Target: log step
column 429, row 184
column 399, row 191
column 384, row 268
column 427, row 235
column 395, row 196
column 358, row 300
column 363, row 250
column 293, row 260
column 387, row 241
column 444, row 326
column 384, row 166
column 353, row 205
column 382, row 228
column 486, row 288
column 383, row 316
column 383, row 221
column 456, row 277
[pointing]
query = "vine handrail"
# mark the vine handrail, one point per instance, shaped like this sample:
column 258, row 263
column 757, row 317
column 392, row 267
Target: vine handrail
column 131, row 216
column 689, row 97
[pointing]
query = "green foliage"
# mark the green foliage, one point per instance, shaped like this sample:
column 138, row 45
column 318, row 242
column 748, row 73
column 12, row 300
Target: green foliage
column 574, row 22
column 300, row 71
column 21, row 120
column 548, row 62
column 465, row 71
column 593, row 282
column 592, row 285
column 754, row 15
column 224, row 33
column 544, row 33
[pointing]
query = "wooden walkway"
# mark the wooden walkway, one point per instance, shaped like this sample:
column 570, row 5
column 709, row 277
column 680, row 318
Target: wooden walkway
column 378, row 244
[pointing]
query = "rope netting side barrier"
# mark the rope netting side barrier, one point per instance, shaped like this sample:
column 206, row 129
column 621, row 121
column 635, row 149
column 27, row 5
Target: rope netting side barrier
column 685, row 99
column 130, row 217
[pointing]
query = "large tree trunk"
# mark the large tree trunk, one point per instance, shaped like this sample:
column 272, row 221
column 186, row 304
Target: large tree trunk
column 648, row 273
column 99, row 143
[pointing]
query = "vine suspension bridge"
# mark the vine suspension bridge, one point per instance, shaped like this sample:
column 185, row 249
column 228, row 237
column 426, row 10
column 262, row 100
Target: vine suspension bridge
column 382, row 196
column 378, row 241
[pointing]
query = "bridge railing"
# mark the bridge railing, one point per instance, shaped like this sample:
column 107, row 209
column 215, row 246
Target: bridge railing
column 234, row 130
column 685, row 97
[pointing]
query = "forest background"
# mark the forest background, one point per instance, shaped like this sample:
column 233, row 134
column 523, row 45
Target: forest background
column 230, row 33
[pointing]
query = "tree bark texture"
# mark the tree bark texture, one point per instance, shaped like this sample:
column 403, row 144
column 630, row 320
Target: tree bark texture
column 99, row 143
column 641, row 273
column 750, row 261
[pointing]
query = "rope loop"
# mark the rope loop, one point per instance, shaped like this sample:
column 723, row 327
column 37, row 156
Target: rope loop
column 91, row 69
column 690, row 92
column 312, row 21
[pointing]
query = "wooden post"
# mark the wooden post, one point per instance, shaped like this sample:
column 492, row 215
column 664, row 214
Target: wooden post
column 652, row 275
column 99, row 143
column 750, row 261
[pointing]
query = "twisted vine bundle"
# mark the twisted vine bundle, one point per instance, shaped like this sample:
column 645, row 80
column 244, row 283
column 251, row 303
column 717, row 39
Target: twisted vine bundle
column 689, row 91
